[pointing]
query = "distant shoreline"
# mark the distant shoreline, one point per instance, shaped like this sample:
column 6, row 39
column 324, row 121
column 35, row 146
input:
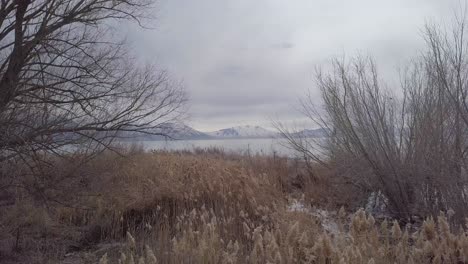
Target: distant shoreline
column 213, row 138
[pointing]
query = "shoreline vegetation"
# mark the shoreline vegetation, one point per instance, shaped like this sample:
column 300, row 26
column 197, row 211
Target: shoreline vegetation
column 208, row 206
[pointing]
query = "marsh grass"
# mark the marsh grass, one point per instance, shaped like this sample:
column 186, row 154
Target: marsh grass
column 364, row 241
column 209, row 206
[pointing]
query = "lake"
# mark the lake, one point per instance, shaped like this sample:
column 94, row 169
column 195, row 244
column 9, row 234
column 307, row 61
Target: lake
column 262, row 146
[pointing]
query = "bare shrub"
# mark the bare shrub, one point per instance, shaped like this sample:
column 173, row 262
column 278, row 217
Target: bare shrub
column 408, row 142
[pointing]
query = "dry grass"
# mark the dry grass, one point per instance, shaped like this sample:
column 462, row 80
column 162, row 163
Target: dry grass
column 211, row 207
column 201, row 240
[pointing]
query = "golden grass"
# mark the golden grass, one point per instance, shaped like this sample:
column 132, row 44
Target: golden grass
column 363, row 241
column 211, row 207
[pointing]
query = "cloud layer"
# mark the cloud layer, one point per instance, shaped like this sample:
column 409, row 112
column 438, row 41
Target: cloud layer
column 247, row 62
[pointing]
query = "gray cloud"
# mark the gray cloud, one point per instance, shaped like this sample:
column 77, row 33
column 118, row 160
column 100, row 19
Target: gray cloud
column 246, row 61
column 283, row 45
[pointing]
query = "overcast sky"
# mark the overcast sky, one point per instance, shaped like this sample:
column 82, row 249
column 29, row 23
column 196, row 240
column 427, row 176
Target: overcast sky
column 248, row 61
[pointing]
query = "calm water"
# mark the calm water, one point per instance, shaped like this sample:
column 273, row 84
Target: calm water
column 264, row 146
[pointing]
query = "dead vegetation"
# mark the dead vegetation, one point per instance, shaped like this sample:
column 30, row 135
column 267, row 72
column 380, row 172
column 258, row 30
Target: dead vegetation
column 140, row 192
column 213, row 207
column 359, row 240
column 403, row 140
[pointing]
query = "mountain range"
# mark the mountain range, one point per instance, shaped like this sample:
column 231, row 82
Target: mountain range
column 243, row 132
column 248, row 131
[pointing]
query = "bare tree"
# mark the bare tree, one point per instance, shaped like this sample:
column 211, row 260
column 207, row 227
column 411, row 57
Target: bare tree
column 65, row 80
column 408, row 142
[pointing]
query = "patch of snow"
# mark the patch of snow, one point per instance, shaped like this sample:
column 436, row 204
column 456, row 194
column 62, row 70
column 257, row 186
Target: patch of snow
column 327, row 218
column 297, row 206
column 377, row 205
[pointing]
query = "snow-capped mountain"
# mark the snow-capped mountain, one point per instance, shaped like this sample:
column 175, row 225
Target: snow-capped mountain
column 173, row 131
column 243, row 132
column 184, row 132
